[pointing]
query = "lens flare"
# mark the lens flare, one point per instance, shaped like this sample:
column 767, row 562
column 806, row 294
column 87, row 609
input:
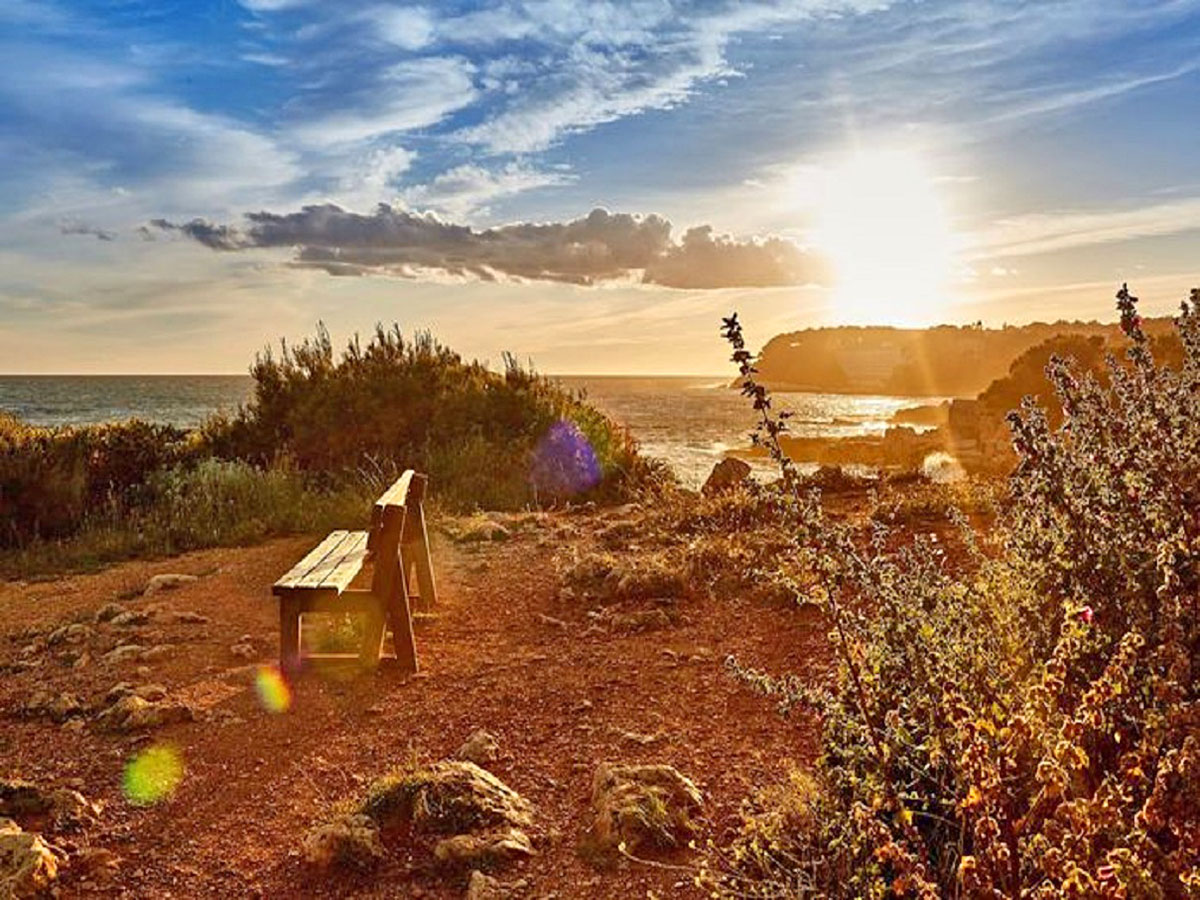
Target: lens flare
column 564, row 462
column 273, row 692
column 152, row 775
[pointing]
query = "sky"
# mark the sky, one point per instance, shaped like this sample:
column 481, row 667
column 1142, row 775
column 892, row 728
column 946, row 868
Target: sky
column 590, row 185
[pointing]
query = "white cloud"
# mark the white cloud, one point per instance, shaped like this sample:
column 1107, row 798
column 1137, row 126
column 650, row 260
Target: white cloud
column 372, row 177
column 409, row 95
column 407, row 27
column 1038, row 233
column 466, row 191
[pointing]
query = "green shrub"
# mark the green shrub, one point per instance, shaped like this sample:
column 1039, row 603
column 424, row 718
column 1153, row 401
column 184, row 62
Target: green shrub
column 1028, row 724
column 52, row 479
column 210, row 504
column 414, row 403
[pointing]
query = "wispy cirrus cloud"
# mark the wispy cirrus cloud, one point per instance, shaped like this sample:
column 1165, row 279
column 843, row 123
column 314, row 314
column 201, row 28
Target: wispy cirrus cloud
column 1049, row 232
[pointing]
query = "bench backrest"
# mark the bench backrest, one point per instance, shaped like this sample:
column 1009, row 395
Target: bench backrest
column 391, row 526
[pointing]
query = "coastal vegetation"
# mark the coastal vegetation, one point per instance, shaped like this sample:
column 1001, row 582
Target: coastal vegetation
column 321, row 436
column 1016, row 715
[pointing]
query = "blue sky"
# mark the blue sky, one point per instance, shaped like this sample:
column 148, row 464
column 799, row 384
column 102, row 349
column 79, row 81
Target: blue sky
column 1045, row 151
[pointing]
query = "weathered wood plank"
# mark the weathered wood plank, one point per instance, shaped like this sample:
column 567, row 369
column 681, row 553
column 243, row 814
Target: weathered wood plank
column 352, row 546
column 347, row 567
column 312, row 559
column 397, row 494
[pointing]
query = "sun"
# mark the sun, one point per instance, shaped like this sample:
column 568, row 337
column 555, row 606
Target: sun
column 883, row 226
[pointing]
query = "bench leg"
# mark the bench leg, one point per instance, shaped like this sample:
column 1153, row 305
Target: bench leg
column 289, row 635
column 418, row 553
column 374, row 625
column 400, row 618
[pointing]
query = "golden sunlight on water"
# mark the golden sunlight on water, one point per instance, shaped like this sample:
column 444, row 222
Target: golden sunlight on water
column 884, row 226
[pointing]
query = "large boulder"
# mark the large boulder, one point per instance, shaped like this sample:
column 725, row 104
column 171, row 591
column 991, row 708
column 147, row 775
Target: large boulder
column 28, row 865
column 726, row 475
column 449, row 797
column 351, row 841
column 645, row 806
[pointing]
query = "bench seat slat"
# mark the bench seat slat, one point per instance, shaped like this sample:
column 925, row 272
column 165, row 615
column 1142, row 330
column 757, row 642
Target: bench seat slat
column 312, row 559
column 315, row 579
column 336, row 575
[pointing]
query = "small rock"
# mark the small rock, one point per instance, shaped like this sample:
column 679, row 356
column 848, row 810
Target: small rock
column 485, row 887
column 124, row 653
column 96, row 863
column 133, row 713
column 637, row 737
column 489, row 849
column 726, row 475
column 69, row 809
column 76, row 633
column 20, row 798
column 352, row 841
column 168, row 582
column 132, row 618
column 480, row 747
column 244, row 651
column 57, row 707
column 191, row 618
column 156, row 653
column 28, row 865
column 117, row 691
column 110, row 611
column 551, row 620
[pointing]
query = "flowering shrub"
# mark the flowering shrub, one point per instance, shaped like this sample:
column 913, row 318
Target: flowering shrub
column 1026, row 724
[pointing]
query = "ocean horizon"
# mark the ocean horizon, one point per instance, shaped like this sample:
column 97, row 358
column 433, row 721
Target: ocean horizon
column 689, row 421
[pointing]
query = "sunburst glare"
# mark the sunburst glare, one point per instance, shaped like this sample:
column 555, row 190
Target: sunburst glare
column 884, row 227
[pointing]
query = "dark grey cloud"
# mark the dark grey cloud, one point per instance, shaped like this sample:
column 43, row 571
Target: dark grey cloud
column 600, row 246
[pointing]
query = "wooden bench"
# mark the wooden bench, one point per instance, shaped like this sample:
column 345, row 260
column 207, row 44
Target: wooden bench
column 397, row 546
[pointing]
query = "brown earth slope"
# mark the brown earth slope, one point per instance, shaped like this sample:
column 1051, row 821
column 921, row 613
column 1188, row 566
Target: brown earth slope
column 560, row 697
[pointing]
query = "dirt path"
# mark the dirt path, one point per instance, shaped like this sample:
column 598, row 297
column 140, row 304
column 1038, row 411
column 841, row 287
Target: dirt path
column 560, row 700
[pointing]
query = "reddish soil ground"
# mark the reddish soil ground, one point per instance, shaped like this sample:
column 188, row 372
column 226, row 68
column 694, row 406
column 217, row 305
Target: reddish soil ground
column 560, row 700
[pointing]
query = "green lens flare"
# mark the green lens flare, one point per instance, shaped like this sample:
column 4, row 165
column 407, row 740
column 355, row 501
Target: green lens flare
column 273, row 692
column 152, row 775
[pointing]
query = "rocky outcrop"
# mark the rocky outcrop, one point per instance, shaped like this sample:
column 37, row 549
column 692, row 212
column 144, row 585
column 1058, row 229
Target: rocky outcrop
column 643, row 806
column 485, row 819
column 727, row 475
column 449, row 797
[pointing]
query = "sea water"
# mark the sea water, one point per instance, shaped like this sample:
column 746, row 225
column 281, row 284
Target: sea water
column 690, row 422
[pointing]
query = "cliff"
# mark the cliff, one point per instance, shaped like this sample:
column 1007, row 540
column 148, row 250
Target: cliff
column 947, row 360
